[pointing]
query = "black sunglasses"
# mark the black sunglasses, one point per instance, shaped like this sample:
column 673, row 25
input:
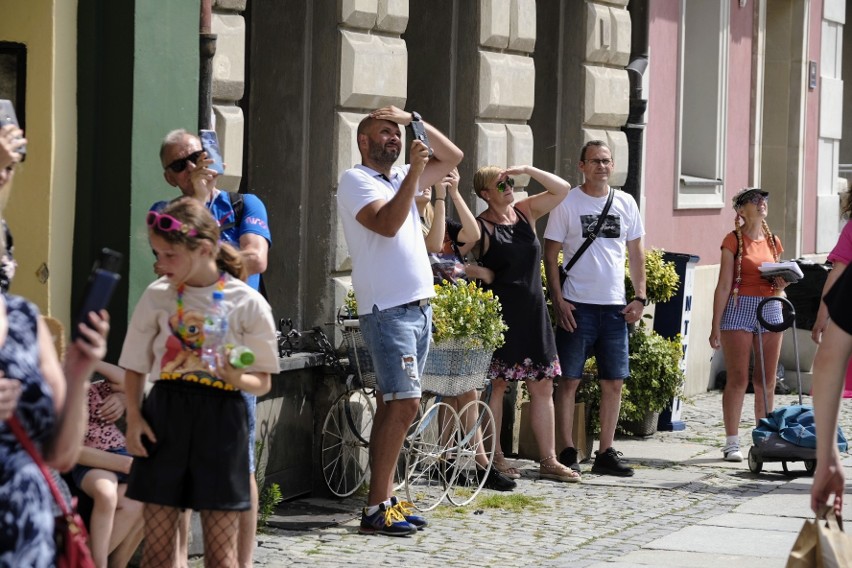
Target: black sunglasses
column 501, row 185
column 180, row 164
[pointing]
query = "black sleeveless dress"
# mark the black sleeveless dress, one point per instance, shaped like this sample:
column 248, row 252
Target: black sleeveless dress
column 514, row 254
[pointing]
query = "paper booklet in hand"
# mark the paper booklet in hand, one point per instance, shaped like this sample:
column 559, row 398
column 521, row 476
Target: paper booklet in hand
column 788, row 270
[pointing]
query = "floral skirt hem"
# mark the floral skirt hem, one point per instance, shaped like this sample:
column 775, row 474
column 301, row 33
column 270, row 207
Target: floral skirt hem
column 525, row 370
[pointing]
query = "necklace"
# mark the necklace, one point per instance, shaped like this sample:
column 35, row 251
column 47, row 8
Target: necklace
column 181, row 327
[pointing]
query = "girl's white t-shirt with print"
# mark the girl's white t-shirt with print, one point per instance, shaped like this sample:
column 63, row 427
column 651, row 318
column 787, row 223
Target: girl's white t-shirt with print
column 154, row 346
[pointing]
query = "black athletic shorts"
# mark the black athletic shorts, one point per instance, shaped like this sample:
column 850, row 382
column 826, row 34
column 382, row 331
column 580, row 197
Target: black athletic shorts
column 199, row 461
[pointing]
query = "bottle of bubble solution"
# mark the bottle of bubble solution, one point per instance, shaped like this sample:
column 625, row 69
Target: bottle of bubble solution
column 215, row 329
column 240, row 357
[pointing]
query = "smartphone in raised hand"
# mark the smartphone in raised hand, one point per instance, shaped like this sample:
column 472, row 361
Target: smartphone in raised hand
column 210, row 144
column 99, row 289
column 8, row 116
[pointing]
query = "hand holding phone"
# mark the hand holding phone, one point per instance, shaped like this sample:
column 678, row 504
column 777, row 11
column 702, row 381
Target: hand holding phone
column 8, row 116
column 418, row 130
column 99, row 289
column 210, row 144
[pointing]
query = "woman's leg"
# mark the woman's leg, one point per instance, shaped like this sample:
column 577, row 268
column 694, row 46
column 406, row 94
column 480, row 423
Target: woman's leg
column 541, row 416
column 495, row 403
column 771, row 353
column 736, row 345
column 220, row 538
column 102, row 486
column 161, row 527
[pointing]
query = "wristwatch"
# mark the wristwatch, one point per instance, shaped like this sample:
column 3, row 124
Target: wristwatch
column 415, row 116
column 640, row 299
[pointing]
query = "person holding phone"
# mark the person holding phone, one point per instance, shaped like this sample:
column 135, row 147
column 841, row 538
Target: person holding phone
column 243, row 223
column 47, row 397
column 392, row 280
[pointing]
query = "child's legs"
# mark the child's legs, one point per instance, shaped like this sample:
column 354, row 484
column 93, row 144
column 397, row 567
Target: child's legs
column 128, row 517
column 220, row 537
column 102, row 486
column 161, row 525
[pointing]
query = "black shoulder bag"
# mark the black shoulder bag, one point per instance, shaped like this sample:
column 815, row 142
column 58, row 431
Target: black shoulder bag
column 563, row 270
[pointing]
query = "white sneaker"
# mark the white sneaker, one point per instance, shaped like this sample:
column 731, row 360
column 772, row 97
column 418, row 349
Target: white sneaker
column 732, row 453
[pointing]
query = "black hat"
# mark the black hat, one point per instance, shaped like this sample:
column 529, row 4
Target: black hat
column 746, row 193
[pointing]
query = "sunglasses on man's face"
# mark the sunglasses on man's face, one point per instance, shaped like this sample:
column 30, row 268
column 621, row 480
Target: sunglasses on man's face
column 167, row 224
column 501, row 185
column 180, row 164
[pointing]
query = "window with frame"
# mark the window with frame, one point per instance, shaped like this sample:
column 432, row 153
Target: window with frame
column 703, row 93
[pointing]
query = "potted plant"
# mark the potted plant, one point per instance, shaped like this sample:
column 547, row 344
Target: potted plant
column 655, row 379
column 467, row 326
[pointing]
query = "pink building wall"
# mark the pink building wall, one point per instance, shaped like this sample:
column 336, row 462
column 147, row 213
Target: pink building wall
column 692, row 231
column 809, row 223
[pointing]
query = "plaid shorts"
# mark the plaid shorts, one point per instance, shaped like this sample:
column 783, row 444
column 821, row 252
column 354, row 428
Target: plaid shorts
column 743, row 316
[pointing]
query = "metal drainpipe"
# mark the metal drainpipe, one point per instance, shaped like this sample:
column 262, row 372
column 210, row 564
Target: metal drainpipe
column 207, row 49
column 635, row 127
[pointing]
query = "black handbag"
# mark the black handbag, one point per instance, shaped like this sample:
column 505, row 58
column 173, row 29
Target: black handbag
column 563, row 270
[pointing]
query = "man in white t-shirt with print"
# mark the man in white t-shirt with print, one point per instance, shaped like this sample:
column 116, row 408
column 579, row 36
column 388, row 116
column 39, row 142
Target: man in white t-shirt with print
column 591, row 311
column 392, row 279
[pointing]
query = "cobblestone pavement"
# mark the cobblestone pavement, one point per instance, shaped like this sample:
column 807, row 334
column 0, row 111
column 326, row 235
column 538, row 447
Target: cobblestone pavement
column 680, row 481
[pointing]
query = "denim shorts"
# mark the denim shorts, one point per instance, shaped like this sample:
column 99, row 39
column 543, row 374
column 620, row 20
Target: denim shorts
column 601, row 331
column 743, row 316
column 80, row 471
column 398, row 340
column 251, row 408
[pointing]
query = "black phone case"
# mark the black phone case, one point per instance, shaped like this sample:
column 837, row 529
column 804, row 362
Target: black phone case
column 99, row 289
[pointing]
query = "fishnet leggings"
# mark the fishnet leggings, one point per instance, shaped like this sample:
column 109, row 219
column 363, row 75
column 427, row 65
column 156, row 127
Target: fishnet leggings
column 161, row 530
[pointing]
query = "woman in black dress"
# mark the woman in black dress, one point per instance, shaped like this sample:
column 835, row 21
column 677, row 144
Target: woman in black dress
column 510, row 255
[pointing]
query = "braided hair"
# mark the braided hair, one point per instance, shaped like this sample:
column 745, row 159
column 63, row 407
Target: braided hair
column 739, row 234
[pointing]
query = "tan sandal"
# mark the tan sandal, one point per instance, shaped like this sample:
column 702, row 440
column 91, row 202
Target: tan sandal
column 501, row 465
column 556, row 471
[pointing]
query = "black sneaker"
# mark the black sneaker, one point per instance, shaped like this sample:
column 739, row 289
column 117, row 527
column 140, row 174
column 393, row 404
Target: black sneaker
column 611, row 463
column 568, row 458
column 496, row 480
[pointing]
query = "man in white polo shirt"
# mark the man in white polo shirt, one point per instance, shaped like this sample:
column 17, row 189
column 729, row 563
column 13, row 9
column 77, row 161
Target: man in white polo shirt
column 392, row 279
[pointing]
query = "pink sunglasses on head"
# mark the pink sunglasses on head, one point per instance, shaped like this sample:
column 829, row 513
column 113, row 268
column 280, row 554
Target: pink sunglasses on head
column 167, row 224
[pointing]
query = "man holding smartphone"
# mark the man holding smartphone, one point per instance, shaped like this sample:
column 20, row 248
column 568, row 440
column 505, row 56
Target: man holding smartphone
column 243, row 223
column 392, row 279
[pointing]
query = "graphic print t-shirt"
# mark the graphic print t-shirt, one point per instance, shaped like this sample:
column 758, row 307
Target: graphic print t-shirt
column 155, row 345
column 598, row 276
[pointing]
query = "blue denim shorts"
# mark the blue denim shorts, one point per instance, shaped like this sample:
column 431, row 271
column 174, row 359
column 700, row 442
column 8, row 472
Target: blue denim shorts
column 251, row 407
column 398, row 340
column 80, row 471
column 602, row 332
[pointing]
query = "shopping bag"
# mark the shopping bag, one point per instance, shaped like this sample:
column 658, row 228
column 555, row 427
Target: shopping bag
column 822, row 544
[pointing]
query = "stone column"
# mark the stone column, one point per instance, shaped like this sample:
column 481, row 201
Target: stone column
column 229, row 80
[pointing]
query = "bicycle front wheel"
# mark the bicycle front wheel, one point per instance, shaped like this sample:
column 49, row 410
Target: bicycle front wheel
column 430, row 450
column 345, row 442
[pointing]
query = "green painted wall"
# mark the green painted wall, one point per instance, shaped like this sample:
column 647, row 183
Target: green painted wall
column 138, row 79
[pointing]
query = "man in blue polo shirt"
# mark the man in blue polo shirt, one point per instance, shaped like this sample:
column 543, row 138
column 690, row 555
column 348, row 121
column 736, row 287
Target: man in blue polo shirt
column 243, row 223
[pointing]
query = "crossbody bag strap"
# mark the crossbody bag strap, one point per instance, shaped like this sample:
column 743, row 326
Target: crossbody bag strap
column 593, row 235
column 18, row 429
